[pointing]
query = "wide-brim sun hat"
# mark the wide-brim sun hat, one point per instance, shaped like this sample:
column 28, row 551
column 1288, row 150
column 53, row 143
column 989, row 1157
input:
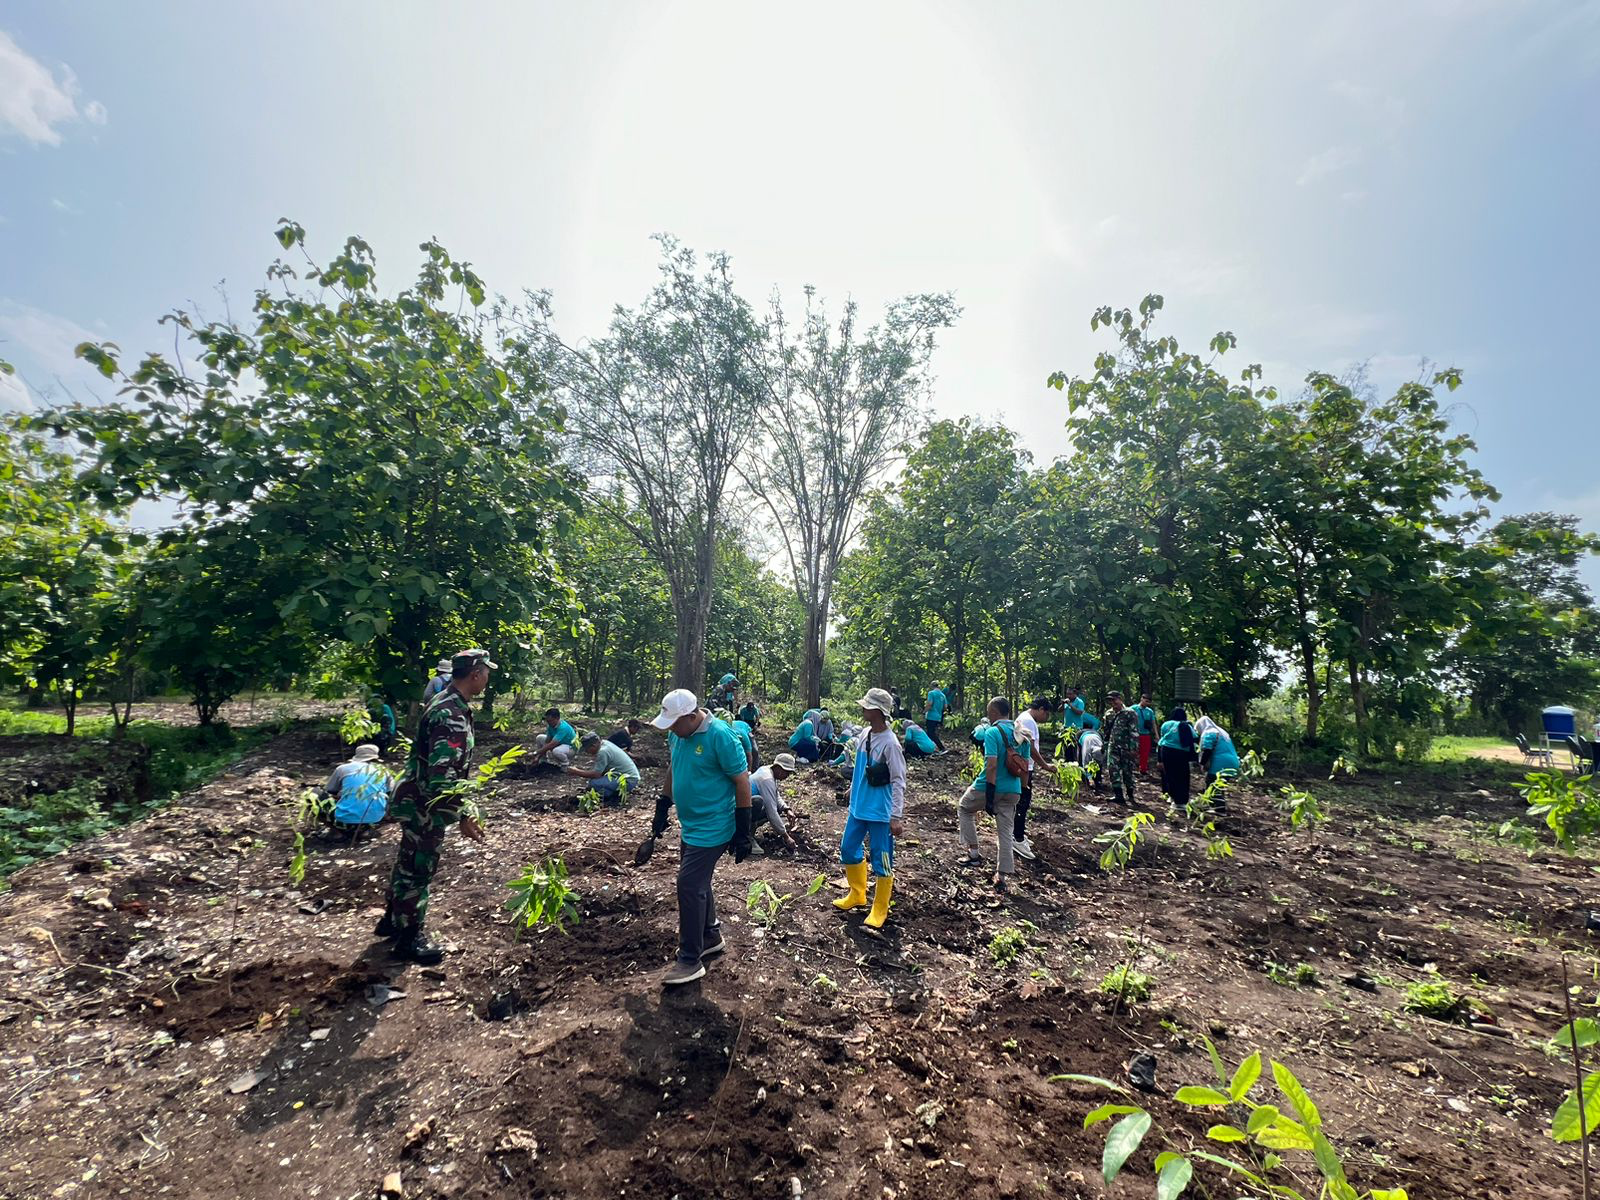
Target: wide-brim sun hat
column 877, row 698
column 786, row 761
column 366, row 752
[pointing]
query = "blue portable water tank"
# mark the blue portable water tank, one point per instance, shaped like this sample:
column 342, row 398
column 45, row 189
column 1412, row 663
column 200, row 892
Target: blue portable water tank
column 1559, row 721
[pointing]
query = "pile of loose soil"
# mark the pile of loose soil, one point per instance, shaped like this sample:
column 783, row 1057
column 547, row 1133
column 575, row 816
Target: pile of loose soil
column 179, row 1020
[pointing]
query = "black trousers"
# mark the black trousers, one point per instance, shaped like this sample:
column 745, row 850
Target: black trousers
column 931, row 728
column 1175, row 775
column 1019, row 827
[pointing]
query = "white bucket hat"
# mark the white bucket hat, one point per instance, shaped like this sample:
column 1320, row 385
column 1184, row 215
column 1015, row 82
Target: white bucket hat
column 879, row 699
column 366, row 752
column 675, row 705
column 786, row 761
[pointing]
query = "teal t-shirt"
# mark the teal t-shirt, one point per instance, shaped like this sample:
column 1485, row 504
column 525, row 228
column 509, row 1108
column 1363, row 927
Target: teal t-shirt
column 742, row 732
column 1147, row 720
column 1090, row 721
column 704, row 766
column 1223, row 756
column 919, row 739
column 936, row 704
column 1072, row 714
column 562, row 734
column 726, row 680
column 994, row 739
column 1170, row 735
column 803, row 732
column 750, row 714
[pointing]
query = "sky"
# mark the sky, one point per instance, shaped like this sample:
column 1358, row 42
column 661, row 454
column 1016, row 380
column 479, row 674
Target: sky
column 1335, row 184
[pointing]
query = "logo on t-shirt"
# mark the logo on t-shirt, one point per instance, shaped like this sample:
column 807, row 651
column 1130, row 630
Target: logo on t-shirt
column 700, row 749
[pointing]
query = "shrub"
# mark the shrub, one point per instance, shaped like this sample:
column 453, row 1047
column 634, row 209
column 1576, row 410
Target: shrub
column 1127, row 982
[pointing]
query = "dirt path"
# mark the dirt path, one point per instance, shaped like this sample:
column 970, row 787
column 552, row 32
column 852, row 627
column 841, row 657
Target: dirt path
column 147, row 1054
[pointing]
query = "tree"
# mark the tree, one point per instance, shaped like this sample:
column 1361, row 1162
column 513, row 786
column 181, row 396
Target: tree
column 1533, row 634
column 377, row 465
column 666, row 404
column 840, row 402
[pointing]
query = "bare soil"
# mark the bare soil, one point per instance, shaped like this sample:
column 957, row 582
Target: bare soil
column 176, row 1019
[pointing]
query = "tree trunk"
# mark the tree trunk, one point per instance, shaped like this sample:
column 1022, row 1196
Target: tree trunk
column 958, row 638
column 1358, row 706
column 811, row 653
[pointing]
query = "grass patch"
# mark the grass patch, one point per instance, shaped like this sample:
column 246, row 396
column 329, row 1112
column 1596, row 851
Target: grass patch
column 1127, row 982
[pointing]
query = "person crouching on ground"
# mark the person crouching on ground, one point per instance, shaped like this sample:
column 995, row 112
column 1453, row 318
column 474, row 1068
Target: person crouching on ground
column 557, row 742
column 803, row 741
column 996, row 790
column 917, row 743
column 709, row 780
column 877, row 810
column 612, row 765
column 441, row 754
column 1217, row 755
column 766, row 802
column 359, row 790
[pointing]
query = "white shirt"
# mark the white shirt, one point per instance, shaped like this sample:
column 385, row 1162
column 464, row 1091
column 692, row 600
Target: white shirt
column 1027, row 727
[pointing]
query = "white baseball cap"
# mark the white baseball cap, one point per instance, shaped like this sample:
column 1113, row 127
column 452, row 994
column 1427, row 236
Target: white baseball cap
column 675, row 705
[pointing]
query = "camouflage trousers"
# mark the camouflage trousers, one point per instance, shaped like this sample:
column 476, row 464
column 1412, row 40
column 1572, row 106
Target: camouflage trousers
column 422, row 830
column 1120, row 761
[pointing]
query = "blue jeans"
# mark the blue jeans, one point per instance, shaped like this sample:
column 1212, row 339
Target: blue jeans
column 856, row 832
column 806, row 750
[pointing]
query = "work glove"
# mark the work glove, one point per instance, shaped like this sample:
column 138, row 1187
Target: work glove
column 659, row 825
column 988, row 798
column 743, row 839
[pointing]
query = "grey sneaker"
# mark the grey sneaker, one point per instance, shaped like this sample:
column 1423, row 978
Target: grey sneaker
column 716, row 947
column 681, row 973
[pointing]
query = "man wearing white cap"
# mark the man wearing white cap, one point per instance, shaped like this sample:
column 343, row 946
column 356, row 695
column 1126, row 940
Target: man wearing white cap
column 877, row 809
column 709, row 780
column 440, row 681
column 764, row 787
column 359, row 788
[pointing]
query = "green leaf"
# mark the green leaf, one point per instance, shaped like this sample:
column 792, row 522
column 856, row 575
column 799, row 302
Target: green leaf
column 1216, row 1060
column 1173, row 1178
column 1236, row 1168
column 1245, row 1077
column 1285, row 1135
column 1586, row 1030
column 1225, row 1133
column 1389, row 1194
column 1106, row 1111
column 1122, row 1141
column 1290, row 1087
column 1564, row 1126
column 1260, row 1119
column 1327, row 1159
column 1201, row 1097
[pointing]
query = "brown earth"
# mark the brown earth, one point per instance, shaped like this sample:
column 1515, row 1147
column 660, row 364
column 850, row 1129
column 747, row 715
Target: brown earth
column 175, row 1019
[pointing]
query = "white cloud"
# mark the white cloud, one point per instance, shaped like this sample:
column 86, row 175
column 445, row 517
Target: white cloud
column 1334, row 158
column 40, row 345
column 14, row 394
column 62, row 206
column 35, row 101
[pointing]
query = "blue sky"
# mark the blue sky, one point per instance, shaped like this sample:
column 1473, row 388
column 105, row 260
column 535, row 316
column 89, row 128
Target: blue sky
column 1334, row 184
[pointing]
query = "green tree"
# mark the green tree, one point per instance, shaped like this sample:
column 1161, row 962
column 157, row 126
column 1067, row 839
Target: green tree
column 841, row 401
column 1532, row 636
column 666, row 403
column 381, row 467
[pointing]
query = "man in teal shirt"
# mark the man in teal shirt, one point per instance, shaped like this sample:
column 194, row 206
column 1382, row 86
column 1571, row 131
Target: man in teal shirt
column 709, row 781
column 996, row 790
column 558, row 741
column 937, row 703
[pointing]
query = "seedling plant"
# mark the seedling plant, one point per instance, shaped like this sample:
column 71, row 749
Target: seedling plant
column 542, row 896
column 1569, row 805
column 1301, row 809
column 1011, row 943
column 357, row 725
column 1121, row 843
column 1202, row 811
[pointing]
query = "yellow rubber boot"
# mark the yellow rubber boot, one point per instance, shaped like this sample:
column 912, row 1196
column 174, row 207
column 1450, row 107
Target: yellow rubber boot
column 880, row 902
column 856, row 875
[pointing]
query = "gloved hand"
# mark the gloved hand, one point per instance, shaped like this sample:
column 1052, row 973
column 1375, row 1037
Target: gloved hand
column 659, row 825
column 743, row 839
column 988, row 798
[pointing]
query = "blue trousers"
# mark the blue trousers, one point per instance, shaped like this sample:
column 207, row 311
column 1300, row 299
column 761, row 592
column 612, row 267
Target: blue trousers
column 856, row 833
column 806, row 750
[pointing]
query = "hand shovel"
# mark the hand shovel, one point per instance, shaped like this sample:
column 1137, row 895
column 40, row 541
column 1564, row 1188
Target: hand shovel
column 645, row 850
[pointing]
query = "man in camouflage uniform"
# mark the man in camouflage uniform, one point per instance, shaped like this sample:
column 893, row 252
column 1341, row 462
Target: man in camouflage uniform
column 441, row 753
column 1122, row 746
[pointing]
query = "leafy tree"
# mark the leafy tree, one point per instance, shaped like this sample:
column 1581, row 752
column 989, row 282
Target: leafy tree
column 666, row 404
column 365, row 467
column 840, row 403
column 1533, row 633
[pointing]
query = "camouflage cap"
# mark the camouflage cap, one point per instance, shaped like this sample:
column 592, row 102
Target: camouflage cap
column 468, row 660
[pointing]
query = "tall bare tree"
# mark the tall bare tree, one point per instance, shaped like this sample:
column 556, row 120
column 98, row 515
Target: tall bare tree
column 840, row 404
column 662, row 408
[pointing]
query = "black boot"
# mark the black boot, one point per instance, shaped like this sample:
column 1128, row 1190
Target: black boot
column 385, row 927
column 413, row 946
